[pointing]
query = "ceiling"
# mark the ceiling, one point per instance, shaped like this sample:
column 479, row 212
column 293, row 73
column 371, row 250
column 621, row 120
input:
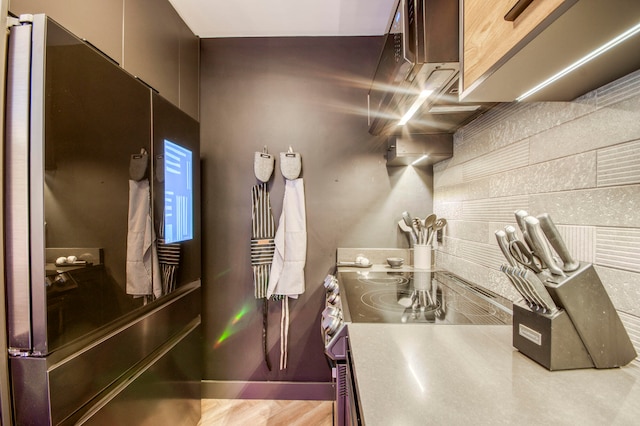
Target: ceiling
column 284, row 18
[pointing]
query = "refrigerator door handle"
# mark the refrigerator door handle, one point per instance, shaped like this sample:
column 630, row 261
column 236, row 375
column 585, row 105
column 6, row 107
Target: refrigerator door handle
column 17, row 189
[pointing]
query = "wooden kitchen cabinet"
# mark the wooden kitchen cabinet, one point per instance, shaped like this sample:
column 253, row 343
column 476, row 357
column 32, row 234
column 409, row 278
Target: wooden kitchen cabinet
column 489, row 39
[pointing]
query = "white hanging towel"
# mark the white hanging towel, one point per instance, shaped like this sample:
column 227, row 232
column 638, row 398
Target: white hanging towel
column 143, row 268
column 287, row 269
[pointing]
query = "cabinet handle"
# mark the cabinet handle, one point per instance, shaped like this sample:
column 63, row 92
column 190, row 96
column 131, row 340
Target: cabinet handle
column 516, row 10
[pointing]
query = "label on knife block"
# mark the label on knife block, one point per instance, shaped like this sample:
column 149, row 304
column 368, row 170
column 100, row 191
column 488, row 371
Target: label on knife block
column 530, row 334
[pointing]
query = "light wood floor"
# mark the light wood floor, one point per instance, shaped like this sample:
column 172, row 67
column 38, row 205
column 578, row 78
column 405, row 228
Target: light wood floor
column 260, row 412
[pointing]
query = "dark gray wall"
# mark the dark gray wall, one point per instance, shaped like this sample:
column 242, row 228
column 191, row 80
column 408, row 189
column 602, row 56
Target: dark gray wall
column 310, row 93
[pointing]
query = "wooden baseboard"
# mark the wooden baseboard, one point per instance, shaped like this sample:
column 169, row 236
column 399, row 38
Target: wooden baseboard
column 316, row 391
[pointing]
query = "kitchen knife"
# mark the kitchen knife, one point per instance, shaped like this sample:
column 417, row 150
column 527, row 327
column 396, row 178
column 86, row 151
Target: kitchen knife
column 540, row 247
column 552, row 234
column 523, row 287
column 503, row 243
column 516, row 285
column 520, row 216
column 540, row 290
column 518, row 273
column 510, row 231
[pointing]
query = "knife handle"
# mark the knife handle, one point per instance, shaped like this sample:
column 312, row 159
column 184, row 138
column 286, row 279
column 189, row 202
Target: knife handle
column 512, row 236
column 550, row 230
column 541, row 249
column 501, row 237
column 520, row 217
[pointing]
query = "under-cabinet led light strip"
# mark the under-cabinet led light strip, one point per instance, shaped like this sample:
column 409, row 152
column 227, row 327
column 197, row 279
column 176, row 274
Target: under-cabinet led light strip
column 595, row 53
column 420, row 159
column 414, row 107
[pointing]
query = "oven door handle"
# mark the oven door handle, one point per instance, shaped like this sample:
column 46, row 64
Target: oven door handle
column 355, row 413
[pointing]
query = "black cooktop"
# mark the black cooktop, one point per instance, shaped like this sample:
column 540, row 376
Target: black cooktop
column 437, row 297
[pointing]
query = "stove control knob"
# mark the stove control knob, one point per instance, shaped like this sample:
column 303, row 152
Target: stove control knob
column 330, row 324
column 331, row 283
column 333, row 299
column 332, row 310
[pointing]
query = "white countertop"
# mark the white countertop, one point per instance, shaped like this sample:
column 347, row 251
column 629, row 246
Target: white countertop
column 418, row 374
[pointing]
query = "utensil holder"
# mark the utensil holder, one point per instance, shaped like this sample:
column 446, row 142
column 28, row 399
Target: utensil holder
column 590, row 316
column 422, row 254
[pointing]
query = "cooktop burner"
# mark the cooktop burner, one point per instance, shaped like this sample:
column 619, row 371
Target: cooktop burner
column 423, row 297
column 389, row 300
column 392, row 279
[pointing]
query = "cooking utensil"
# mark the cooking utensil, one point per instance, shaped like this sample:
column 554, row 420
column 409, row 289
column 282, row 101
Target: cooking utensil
column 419, row 229
column 407, row 299
column 513, row 236
column 540, row 247
column 552, row 234
column 524, row 256
column 510, row 231
column 409, row 222
column 520, row 252
column 536, row 300
column 515, row 283
column 503, row 243
column 520, row 216
column 541, row 291
column 438, row 225
column 520, row 286
column 406, row 229
column 429, row 221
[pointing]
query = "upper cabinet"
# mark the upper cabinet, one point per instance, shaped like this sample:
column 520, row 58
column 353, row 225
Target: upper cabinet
column 146, row 37
column 515, row 45
column 98, row 21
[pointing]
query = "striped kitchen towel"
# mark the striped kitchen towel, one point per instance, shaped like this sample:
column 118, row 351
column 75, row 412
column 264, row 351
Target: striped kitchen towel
column 263, row 231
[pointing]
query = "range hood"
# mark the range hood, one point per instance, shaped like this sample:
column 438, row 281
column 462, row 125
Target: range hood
column 419, row 149
column 418, row 71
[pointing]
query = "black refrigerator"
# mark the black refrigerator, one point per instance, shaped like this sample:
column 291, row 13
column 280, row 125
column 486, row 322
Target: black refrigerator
column 102, row 239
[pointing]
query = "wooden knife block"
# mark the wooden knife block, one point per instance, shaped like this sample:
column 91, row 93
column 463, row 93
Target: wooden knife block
column 587, row 331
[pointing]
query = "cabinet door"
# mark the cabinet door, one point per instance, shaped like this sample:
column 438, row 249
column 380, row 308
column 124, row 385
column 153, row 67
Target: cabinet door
column 98, row 21
column 489, row 39
column 152, row 45
column 189, row 72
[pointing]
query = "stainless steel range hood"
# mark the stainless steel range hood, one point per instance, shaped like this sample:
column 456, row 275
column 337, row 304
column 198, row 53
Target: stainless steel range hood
column 418, row 71
column 419, row 150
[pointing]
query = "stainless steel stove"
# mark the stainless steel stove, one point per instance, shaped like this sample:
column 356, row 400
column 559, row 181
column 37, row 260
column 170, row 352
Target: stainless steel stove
column 435, row 297
column 392, row 296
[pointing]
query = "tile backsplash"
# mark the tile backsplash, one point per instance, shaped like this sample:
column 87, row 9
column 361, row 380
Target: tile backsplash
column 578, row 161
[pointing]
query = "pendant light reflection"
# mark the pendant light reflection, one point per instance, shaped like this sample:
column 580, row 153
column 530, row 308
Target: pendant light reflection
column 414, row 107
column 592, row 55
